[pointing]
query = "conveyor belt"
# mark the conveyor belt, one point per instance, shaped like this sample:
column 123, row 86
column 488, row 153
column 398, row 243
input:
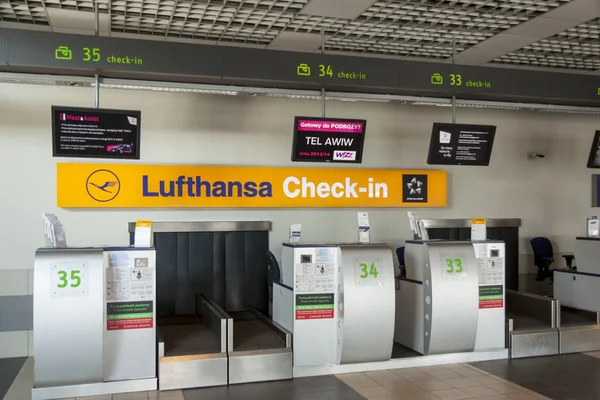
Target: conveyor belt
column 525, row 322
column 249, row 333
column 187, row 335
column 400, row 351
column 573, row 317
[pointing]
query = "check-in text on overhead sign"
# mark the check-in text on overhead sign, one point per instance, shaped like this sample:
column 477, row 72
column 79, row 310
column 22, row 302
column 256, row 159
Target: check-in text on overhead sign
column 172, row 186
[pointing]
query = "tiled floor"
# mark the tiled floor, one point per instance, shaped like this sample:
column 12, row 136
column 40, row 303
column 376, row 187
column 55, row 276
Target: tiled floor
column 566, row 377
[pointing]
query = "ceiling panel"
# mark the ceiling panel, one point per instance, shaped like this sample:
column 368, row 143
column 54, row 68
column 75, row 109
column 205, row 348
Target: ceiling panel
column 396, row 28
column 576, row 48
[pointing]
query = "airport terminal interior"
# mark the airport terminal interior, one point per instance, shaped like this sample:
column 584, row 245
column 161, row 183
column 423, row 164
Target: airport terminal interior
column 300, row 199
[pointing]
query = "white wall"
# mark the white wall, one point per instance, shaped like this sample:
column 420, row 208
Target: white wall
column 551, row 196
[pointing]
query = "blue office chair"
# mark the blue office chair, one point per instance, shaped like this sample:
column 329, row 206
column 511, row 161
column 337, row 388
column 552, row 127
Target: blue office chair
column 400, row 255
column 543, row 257
column 273, row 274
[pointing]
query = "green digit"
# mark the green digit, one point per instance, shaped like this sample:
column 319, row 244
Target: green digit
column 86, row 54
column 76, row 278
column 373, row 270
column 96, row 53
column 450, row 266
column 63, row 279
column 365, row 273
column 459, row 267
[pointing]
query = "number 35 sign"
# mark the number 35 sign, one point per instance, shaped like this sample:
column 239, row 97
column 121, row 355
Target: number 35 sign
column 69, row 279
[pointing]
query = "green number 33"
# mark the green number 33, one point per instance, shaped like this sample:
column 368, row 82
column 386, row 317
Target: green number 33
column 454, row 265
column 64, row 280
column 366, row 271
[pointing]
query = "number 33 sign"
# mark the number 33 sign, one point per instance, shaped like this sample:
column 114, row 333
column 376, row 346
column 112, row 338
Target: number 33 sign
column 69, row 279
column 453, row 266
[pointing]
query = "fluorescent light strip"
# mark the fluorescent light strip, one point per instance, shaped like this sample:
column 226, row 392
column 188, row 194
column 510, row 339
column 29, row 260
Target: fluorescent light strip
column 175, row 87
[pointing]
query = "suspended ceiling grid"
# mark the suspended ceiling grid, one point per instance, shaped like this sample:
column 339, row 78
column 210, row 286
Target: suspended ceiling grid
column 422, row 29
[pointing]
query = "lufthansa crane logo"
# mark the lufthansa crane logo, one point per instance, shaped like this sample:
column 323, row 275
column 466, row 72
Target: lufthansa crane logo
column 103, row 185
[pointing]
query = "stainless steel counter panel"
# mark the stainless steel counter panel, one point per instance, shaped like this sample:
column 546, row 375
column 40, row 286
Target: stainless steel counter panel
column 207, row 226
column 466, row 223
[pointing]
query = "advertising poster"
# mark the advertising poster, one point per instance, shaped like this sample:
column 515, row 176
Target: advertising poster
column 95, row 133
column 459, row 144
column 328, row 140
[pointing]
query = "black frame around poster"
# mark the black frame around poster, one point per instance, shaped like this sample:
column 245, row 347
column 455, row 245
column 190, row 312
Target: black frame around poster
column 359, row 150
column 56, row 110
column 594, row 151
column 437, row 126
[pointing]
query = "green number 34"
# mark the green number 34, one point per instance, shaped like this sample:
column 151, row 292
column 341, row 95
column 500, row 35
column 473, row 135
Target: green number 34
column 64, row 279
column 454, row 265
column 366, row 271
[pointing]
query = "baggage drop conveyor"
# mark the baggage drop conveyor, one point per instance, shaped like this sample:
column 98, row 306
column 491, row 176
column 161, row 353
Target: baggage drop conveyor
column 212, row 298
column 192, row 349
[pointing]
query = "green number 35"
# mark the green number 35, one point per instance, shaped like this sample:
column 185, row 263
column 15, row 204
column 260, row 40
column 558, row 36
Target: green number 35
column 64, row 280
column 458, row 268
column 366, row 272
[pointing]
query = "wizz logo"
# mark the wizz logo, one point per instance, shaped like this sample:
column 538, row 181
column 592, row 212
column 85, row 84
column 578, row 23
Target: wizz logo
column 344, row 155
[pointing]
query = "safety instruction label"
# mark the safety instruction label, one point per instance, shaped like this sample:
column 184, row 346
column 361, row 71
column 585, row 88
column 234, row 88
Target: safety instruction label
column 491, row 296
column 129, row 315
column 315, row 306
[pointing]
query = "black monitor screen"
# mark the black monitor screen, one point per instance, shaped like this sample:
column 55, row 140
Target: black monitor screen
column 328, row 139
column 460, row 144
column 594, row 158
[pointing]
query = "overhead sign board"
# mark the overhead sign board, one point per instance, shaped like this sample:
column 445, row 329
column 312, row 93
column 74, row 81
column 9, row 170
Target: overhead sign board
column 116, row 57
column 185, row 186
column 461, row 144
column 328, row 139
column 95, row 133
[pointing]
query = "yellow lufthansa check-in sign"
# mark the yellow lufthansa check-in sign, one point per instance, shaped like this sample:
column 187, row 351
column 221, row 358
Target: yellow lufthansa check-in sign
column 190, row 186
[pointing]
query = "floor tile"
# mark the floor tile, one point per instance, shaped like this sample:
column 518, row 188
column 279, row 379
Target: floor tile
column 131, row 396
column 468, row 372
column 99, row 397
column 384, row 377
column 505, row 388
column 357, row 380
column 166, row 395
column 450, row 394
column 341, row 394
column 486, row 379
column 433, row 385
column 373, row 391
column 419, row 396
column 444, row 374
column 461, row 382
column 402, row 388
column 312, row 384
column 310, row 396
column 418, row 376
column 9, row 368
column 499, row 397
column 479, row 391
column 523, row 396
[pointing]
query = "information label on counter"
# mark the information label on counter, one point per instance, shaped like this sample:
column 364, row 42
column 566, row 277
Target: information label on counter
column 459, row 144
column 315, row 306
column 328, row 140
column 129, row 315
column 95, row 133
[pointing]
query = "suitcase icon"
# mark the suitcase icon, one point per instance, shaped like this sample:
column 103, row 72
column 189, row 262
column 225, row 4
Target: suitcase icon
column 436, row 79
column 303, row 70
column 63, row 53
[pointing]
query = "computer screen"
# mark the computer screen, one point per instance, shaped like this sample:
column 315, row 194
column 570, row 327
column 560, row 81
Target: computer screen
column 594, row 158
column 461, row 144
column 328, row 139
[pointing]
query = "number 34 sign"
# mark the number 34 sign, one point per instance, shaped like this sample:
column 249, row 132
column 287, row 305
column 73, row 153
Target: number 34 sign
column 69, row 279
column 367, row 272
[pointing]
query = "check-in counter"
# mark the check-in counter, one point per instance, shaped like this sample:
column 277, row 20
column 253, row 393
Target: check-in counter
column 577, row 292
column 338, row 301
column 94, row 321
column 452, row 297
